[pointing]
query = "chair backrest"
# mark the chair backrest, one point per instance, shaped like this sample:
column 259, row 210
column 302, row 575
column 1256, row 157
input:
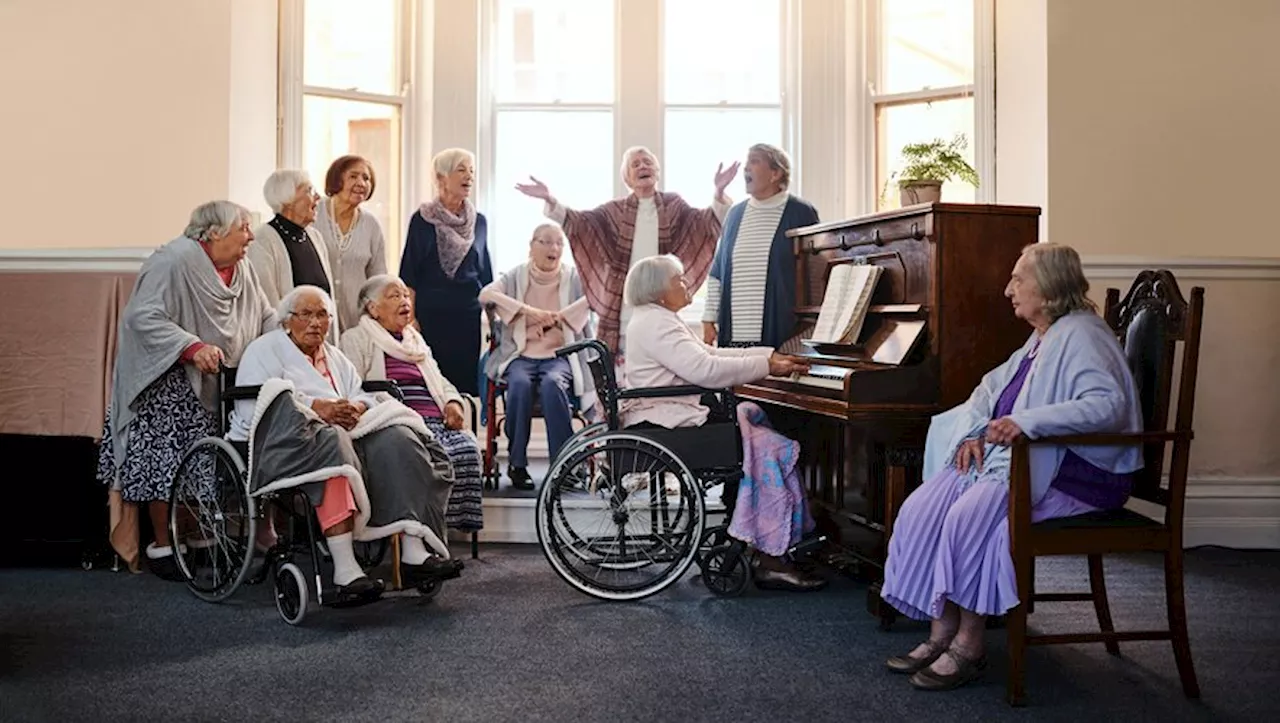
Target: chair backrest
column 1150, row 322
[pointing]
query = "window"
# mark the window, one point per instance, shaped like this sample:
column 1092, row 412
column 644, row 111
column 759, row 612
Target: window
column 552, row 105
column 722, row 83
column 922, row 81
column 353, row 93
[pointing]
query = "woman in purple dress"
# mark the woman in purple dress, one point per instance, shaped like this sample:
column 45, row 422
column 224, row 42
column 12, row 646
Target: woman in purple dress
column 949, row 559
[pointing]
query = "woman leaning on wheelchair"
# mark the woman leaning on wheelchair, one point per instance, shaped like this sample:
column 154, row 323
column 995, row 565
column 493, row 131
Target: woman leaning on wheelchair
column 768, row 510
column 949, row 560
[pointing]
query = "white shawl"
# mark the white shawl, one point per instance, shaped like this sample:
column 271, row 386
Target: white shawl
column 1079, row 383
column 368, row 343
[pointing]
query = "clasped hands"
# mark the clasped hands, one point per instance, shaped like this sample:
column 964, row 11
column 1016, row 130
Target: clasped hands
column 542, row 319
column 341, row 412
column 1002, row 431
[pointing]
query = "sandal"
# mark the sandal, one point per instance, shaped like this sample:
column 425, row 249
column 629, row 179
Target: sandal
column 967, row 669
column 908, row 664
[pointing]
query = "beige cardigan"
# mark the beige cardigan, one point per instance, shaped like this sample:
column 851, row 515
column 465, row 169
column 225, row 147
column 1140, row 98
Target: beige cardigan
column 371, row 364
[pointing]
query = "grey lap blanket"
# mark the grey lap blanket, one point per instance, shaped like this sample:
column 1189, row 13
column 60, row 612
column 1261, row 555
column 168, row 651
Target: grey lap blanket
column 399, row 472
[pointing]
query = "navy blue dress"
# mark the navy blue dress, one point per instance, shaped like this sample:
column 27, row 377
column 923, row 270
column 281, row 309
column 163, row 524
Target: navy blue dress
column 448, row 310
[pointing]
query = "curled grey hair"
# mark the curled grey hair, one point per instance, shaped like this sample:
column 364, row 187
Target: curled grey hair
column 371, row 290
column 282, row 187
column 215, row 218
column 444, row 162
column 777, row 159
column 648, row 279
column 629, row 154
column 290, row 301
column 1061, row 279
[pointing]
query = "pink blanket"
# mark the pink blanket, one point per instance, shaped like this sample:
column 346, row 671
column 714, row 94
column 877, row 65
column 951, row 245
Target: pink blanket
column 771, row 513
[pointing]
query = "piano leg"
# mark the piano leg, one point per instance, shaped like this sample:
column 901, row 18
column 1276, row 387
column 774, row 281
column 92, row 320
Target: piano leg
column 901, row 465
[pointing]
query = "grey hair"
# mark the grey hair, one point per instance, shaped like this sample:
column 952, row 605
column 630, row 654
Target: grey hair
column 215, row 218
column 282, row 187
column 647, row 281
column 630, row 153
column 445, row 161
column 290, row 301
column 1061, row 279
column 371, row 290
column 548, row 226
column 777, row 159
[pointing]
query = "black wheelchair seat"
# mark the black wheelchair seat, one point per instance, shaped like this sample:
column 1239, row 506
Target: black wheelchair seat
column 712, row 446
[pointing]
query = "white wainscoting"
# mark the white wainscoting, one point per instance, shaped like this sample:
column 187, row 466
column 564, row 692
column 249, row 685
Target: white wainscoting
column 1225, row 511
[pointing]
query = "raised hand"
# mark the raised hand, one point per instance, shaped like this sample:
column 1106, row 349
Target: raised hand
column 725, row 176
column 537, row 189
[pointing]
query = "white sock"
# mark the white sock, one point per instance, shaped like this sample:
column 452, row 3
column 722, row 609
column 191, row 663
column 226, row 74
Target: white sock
column 345, row 567
column 155, row 553
column 412, row 551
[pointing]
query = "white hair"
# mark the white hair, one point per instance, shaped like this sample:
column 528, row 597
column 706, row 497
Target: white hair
column 290, row 301
column 777, row 159
column 282, row 187
column 371, row 290
column 630, row 153
column 447, row 160
column 648, row 279
column 215, row 218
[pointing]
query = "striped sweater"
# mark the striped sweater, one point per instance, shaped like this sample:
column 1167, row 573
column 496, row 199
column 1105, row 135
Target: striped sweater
column 750, row 269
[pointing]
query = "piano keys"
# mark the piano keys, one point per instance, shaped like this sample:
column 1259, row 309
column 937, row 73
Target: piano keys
column 938, row 321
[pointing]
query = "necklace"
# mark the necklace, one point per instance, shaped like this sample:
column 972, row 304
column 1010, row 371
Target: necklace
column 344, row 239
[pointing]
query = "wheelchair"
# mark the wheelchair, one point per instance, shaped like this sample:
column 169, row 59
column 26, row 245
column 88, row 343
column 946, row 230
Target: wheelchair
column 212, row 510
column 621, row 514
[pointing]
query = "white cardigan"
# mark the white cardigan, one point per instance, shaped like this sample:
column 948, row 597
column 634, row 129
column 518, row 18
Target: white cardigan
column 662, row 351
column 270, row 261
column 371, row 365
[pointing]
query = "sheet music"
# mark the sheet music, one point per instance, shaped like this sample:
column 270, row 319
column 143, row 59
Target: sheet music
column 845, row 302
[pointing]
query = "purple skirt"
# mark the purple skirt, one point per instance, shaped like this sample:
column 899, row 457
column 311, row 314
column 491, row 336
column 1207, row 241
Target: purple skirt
column 951, row 542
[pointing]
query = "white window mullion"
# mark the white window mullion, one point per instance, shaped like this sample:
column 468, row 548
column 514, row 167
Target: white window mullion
column 289, row 101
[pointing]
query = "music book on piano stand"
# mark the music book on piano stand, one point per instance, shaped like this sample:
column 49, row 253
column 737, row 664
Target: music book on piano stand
column 844, row 304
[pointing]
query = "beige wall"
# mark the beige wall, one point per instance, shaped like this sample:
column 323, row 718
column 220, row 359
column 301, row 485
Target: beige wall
column 120, row 115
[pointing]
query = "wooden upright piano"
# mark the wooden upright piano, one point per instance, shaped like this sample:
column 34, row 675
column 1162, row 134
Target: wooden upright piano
column 938, row 321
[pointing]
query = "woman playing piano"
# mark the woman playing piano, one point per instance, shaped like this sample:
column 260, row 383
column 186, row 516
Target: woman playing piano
column 949, row 559
column 767, row 509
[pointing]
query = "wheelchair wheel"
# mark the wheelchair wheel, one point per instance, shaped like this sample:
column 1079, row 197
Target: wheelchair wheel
column 620, row 516
column 292, row 593
column 725, row 571
column 713, row 537
column 212, row 512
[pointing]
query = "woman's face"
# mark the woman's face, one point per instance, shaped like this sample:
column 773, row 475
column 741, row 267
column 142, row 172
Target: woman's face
column 1024, row 291
column 393, row 309
column 546, row 249
column 642, row 172
column 356, row 182
column 677, row 295
column 227, row 250
column 302, row 209
column 308, row 325
column 456, row 184
column 761, row 179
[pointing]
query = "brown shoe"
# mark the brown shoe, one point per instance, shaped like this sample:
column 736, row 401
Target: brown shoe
column 908, row 664
column 967, row 669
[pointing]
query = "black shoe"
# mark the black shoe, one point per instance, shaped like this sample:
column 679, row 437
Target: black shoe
column 520, row 478
column 360, row 591
column 434, row 570
column 165, row 568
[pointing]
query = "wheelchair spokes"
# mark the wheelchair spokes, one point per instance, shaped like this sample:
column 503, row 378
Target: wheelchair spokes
column 211, row 512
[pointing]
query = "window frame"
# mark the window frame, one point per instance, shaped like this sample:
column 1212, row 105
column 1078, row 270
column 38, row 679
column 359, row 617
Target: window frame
column 293, row 92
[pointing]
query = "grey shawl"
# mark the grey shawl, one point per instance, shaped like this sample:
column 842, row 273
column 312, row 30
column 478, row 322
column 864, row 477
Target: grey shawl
column 177, row 301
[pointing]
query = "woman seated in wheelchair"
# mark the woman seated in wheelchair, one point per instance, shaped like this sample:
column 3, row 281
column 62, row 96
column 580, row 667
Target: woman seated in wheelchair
column 384, row 345
column 542, row 307
column 366, row 462
column 949, row 560
column 768, row 510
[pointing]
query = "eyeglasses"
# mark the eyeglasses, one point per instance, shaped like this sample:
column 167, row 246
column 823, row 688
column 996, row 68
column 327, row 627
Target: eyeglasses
column 556, row 243
column 309, row 316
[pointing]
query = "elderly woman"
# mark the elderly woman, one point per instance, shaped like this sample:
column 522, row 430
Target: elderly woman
column 446, row 263
column 609, row 240
column 949, row 559
column 542, row 307
column 751, row 289
column 196, row 305
column 767, row 510
column 357, row 247
column 289, row 251
column 384, row 345
column 367, row 462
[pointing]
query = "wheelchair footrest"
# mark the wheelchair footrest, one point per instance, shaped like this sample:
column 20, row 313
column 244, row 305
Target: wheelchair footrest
column 807, row 546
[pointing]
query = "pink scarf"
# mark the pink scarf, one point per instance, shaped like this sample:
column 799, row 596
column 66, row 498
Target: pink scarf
column 454, row 234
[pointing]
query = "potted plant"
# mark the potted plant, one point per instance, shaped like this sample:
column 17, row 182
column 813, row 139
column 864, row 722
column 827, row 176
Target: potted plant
column 928, row 166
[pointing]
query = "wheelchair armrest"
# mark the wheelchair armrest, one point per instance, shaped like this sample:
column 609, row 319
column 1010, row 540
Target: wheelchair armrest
column 386, row 386
column 238, row 393
column 580, row 346
column 686, row 390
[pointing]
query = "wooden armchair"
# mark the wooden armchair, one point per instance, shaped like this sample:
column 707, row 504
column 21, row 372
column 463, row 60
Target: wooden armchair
column 1150, row 321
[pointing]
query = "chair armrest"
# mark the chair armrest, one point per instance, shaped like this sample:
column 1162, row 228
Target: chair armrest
column 238, row 393
column 686, row 390
column 1107, row 439
column 383, row 386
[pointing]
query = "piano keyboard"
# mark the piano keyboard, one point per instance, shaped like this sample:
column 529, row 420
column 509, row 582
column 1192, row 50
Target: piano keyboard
column 818, row 376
